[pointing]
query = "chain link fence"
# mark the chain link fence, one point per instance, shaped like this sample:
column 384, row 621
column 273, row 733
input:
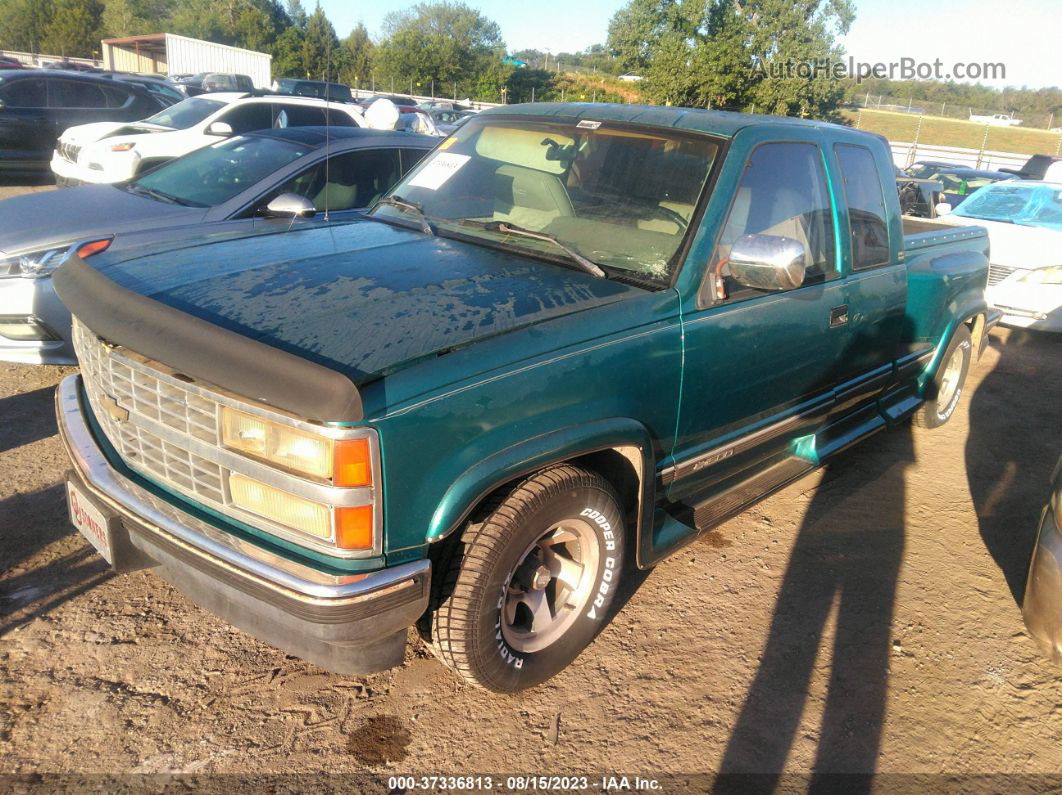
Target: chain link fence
column 994, row 116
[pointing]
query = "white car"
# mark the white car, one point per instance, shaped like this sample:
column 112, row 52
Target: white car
column 1024, row 223
column 108, row 152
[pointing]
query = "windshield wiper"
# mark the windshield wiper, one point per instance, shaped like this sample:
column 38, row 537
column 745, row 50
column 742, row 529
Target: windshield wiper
column 405, row 204
column 134, row 187
column 508, row 229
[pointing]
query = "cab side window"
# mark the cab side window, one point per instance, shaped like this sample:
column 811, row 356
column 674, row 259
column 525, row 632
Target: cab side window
column 782, row 193
column 252, row 116
column 352, row 180
column 299, row 116
column 71, row 94
column 866, row 206
column 25, row 94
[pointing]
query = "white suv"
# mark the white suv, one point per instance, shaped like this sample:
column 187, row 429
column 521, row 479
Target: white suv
column 117, row 151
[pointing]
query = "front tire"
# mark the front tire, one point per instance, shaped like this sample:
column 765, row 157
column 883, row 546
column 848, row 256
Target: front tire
column 948, row 382
column 530, row 581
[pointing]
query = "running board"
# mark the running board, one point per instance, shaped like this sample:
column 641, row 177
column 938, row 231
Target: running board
column 740, row 496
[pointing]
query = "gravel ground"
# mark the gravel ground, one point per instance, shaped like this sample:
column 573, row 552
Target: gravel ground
column 864, row 619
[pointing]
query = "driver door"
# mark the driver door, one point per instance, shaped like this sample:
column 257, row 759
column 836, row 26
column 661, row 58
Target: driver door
column 759, row 365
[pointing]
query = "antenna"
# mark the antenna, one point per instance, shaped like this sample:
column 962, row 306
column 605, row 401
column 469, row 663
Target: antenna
column 328, row 140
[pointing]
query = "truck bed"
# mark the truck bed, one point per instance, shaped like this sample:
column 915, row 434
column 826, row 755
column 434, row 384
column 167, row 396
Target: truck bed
column 923, row 233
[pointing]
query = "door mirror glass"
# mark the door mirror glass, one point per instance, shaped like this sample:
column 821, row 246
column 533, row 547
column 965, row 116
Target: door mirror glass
column 219, row 128
column 290, row 205
column 767, row 262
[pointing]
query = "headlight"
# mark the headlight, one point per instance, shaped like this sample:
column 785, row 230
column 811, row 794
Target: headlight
column 36, row 264
column 343, row 462
column 346, row 463
column 1052, row 275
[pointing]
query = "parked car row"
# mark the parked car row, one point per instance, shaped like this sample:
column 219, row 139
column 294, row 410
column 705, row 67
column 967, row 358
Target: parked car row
column 270, row 179
column 36, row 106
column 115, row 151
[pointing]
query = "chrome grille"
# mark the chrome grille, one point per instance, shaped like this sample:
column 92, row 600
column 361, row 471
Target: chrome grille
column 166, row 427
column 69, row 151
column 151, row 398
column 997, row 273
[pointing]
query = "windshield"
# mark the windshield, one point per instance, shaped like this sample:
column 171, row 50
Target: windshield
column 1029, row 205
column 213, row 175
column 186, row 113
column 620, row 197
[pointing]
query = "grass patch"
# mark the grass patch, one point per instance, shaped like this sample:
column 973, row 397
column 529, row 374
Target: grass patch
column 940, row 131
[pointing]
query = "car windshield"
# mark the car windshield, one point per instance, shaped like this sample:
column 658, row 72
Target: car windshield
column 185, row 113
column 1028, row 205
column 213, row 175
column 619, row 197
column 961, row 183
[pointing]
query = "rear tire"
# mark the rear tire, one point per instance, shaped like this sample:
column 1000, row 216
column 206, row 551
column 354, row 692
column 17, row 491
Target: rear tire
column 948, row 383
column 529, row 583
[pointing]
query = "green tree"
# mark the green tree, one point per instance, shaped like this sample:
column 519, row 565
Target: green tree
column 200, row 19
column 135, row 17
column 321, row 55
column 357, row 61
column 74, row 29
column 441, row 43
column 525, row 84
column 22, row 24
column 287, row 53
column 734, row 53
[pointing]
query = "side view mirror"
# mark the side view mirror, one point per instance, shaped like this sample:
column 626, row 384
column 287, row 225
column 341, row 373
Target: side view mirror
column 767, row 262
column 943, row 208
column 219, row 128
column 2, row 104
column 290, row 205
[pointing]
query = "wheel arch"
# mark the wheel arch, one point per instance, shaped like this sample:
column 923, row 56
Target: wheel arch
column 618, row 449
column 974, row 318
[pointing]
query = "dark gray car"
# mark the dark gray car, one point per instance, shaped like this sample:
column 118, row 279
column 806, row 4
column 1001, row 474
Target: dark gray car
column 1042, row 606
column 230, row 188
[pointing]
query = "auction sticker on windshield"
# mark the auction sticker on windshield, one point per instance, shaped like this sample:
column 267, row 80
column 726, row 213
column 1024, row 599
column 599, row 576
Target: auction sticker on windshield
column 90, row 521
column 439, row 169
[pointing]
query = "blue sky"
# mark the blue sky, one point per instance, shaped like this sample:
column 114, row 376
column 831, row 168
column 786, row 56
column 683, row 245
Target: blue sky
column 1022, row 34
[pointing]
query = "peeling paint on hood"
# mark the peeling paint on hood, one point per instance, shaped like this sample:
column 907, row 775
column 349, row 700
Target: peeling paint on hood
column 362, row 298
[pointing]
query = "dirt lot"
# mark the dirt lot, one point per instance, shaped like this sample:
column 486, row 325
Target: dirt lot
column 866, row 618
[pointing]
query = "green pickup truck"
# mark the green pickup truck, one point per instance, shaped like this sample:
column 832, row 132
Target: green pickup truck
column 574, row 338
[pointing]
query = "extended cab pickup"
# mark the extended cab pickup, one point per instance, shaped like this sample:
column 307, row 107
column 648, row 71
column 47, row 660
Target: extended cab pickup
column 571, row 340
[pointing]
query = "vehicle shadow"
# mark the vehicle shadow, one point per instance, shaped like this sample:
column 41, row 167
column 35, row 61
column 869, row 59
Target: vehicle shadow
column 33, row 583
column 1010, row 454
column 846, row 558
column 18, row 179
column 28, row 417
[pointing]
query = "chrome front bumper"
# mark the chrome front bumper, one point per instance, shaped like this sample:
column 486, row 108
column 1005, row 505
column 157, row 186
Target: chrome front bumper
column 351, row 623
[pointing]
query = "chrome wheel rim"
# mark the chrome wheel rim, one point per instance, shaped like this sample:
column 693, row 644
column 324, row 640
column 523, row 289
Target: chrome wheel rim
column 550, row 585
column 949, row 380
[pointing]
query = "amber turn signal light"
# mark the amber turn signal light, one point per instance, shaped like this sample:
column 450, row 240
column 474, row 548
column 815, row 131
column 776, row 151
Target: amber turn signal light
column 352, row 465
column 354, row 527
column 95, row 247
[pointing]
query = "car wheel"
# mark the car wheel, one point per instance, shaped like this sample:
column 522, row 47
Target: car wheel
column 948, row 383
column 530, row 581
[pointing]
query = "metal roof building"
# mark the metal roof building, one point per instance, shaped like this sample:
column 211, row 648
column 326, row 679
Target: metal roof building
column 167, row 53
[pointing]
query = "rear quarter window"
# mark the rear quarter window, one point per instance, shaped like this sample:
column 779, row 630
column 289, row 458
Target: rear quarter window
column 868, row 229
